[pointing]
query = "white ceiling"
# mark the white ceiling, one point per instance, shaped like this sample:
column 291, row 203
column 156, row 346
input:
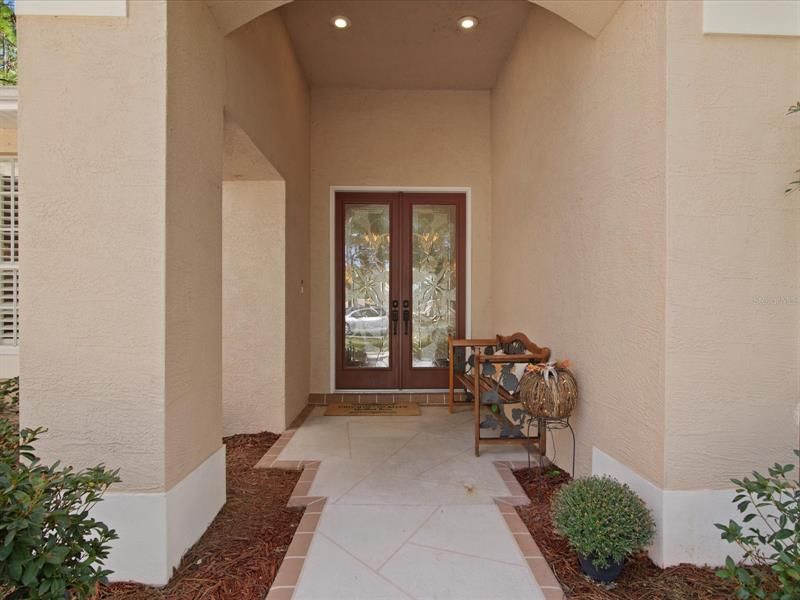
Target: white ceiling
column 404, row 44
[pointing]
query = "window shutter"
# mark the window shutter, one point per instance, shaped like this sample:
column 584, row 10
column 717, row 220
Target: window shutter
column 9, row 253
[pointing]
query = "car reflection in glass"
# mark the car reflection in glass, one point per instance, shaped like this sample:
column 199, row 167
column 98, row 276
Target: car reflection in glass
column 370, row 320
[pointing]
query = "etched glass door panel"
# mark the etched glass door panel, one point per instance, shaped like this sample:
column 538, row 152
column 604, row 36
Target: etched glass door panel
column 367, row 257
column 434, row 287
column 399, row 287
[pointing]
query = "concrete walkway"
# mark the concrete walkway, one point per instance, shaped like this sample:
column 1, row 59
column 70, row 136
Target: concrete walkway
column 410, row 512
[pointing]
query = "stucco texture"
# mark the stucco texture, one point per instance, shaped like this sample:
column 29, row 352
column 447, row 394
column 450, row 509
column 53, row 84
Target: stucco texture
column 578, row 220
column 193, row 351
column 92, row 355
column 591, row 17
column 253, row 262
column 232, row 14
column 733, row 252
column 8, row 141
column 120, row 358
column 396, row 138
column 9, row 365
column 267, row 96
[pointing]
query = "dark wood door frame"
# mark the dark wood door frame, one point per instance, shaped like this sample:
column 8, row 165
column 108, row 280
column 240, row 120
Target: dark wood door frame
column 400, row 374
column 365, row 378
column 431, row 377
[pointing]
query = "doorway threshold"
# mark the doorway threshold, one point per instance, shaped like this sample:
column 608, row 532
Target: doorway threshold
column 393, row 391
column 436, row 397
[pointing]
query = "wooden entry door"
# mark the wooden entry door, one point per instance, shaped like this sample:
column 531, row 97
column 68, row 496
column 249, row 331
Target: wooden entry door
column 400, row 287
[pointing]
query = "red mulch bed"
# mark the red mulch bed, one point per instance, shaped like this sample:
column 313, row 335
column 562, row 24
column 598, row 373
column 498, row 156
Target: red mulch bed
column 239, row 555
column 640, row 579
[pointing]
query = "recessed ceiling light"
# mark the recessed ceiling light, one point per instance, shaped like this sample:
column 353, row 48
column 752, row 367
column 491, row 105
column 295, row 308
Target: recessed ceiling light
column 340, row 22
column 468, row 22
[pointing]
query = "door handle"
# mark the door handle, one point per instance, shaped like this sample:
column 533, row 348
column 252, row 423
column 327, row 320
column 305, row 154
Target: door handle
column 395, row 316
column 406, row 316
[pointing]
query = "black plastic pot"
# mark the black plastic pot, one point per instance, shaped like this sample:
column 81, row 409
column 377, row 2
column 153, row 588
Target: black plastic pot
column 604, row 575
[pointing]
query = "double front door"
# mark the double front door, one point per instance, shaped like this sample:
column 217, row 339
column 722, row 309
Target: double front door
column 400, row 268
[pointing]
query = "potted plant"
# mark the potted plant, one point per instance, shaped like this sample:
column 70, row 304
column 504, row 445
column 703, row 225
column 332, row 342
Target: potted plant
column 604, row 521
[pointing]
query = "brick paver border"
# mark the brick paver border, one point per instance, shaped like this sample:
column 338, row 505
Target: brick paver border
column 537, row 563
column 292, row 566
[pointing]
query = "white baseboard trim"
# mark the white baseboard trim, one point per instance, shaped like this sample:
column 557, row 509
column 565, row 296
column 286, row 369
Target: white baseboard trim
column 752, row 17
column 685, row 531
column 653, row 496
column 155, row 530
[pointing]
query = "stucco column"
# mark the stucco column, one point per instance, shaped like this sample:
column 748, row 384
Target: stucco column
column 121, row 150
column 254, row 248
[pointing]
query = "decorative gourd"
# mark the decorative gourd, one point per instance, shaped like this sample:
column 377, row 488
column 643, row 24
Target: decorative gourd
column 549, row 390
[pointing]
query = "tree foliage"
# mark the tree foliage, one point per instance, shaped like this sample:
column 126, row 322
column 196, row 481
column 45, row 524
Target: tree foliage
column 8, row 43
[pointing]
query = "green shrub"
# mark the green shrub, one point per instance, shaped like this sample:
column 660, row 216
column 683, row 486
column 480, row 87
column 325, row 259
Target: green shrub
column 769, row 535
column 602, row 519
column 9, row 392
column 49, row 545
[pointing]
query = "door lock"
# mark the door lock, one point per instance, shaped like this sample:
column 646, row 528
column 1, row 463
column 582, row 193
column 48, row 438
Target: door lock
column 406, row 316
column 395, row 316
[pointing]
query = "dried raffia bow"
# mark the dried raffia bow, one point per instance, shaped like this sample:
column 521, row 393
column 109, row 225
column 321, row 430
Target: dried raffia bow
column 550, row 369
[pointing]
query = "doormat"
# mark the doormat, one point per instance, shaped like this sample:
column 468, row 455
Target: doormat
column 378, row 410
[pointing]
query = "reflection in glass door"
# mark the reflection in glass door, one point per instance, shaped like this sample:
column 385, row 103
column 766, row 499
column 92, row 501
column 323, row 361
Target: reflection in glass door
column 433, row 268
column 434, row 284
column 366, row 285
column 400, row 263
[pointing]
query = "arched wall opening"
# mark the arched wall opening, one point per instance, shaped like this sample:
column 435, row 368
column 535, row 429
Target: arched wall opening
column 271, row 100
column 580, row 178
column 589, row 17
column 253, row 282
column 590, row 183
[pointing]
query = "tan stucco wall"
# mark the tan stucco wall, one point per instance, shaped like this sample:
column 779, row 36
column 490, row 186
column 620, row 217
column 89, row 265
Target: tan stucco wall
column 578, row 201
column 241, row 158
column 121, row 355
column 231, row 14
column 9, row 365
column 268, row 98
column 253, row 262
column 591, row 17
column 733, row 252
column 8, row 141
column 195, row 92
column 92, row 358
column 396, row 138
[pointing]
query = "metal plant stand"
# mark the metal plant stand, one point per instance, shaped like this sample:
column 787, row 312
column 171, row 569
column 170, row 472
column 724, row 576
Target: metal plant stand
column 551, row 424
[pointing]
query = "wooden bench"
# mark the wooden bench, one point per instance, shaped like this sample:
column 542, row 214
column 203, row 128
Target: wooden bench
column 468, row 372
